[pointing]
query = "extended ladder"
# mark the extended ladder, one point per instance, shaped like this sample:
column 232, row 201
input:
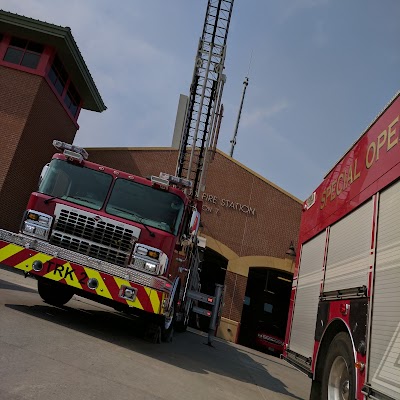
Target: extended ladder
column 205, row 109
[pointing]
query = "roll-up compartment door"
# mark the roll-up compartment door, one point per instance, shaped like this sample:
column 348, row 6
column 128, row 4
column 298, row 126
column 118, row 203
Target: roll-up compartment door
column 384, row 355
column 349, row 252
column 307, row 296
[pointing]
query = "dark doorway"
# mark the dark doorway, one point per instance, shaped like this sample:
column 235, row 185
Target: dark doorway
column 213, row 270
column 265, row 309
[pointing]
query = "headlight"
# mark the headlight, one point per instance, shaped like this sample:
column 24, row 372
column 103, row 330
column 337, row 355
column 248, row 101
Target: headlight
column 36, row 224
column 149, row 259
column 151, row 267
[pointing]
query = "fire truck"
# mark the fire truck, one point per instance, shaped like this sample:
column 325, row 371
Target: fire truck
column 344, row 318
column 106, row 235
column 123, row 240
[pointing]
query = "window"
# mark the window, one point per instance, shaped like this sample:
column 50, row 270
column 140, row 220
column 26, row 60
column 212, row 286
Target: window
column 23, row 52
column 58, row 76
column 77, row 184
column 72, row 99
column 146, row 205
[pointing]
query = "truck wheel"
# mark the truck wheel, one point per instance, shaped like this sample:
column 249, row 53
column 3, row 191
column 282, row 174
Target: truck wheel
column 167, row 330
column 338, row 379
column 54, row 293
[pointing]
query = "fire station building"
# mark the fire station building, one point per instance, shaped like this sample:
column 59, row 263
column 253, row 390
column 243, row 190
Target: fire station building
column 249, row 224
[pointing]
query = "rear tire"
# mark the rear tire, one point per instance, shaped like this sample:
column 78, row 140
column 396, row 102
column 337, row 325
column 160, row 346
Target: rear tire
column 54, row 293
column 338, row 379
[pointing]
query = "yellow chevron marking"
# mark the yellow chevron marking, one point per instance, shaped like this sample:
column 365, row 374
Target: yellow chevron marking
column 155, row 302
column 9, row 251
column 122, row 282
column 102, row 289
column 70, row 278
column 27, row 264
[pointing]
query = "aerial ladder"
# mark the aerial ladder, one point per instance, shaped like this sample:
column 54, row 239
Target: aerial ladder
column 200, row 134
column 204, row 110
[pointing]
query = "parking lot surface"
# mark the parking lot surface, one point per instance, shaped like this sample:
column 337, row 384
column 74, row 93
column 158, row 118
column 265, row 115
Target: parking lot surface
column 88, row 351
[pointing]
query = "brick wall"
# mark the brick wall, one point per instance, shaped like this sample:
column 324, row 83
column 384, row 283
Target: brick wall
column 31, row 117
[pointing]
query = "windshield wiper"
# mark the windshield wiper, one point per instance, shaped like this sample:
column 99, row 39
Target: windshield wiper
column 137, row 216
column 47, row 201
column 82, row 199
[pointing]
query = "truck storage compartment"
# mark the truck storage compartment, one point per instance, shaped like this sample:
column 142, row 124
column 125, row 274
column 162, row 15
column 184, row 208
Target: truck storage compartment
column 307, row 296
column 384, row 355
column 349, row 252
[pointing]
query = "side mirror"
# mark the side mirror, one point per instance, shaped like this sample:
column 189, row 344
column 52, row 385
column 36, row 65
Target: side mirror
column 194, row 223
column 43, row 173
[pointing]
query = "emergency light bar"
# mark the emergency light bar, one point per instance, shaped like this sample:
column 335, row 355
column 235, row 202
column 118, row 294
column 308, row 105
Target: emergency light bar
column 70, row 150
column 175, row 180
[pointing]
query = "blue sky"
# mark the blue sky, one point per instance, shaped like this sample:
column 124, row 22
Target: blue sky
column 321, row 71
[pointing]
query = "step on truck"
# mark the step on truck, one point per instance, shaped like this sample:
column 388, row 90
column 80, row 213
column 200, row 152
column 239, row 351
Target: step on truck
column 344, row 319
column 116, row 238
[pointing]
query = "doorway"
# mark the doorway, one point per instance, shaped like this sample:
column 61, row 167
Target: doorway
column 265, row 309
column 213, row 271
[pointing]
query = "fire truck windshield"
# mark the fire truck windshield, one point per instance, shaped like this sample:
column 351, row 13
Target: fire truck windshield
column 76, row 184
column 144, row 204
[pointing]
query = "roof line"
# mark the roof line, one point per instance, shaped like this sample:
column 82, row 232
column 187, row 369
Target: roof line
column 62, row 33
column 218, row 151
column 260, row 176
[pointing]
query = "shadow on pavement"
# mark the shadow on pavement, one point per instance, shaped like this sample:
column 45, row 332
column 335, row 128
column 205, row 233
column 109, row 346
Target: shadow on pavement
column 11, row 286
column 188, row 350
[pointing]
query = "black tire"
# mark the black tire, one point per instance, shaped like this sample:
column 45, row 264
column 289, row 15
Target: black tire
column 54, row 293
column 167, row 328
column 339, row 376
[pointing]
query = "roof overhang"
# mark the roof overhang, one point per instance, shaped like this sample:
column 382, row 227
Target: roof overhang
column 62, row 40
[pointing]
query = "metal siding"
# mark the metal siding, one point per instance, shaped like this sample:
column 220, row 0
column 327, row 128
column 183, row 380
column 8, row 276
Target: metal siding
column 307, row 296
column 384, row 356
column 349, row 253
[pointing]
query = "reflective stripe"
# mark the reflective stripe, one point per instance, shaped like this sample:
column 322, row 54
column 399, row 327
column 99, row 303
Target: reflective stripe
column 8, row 251
column 154, row 299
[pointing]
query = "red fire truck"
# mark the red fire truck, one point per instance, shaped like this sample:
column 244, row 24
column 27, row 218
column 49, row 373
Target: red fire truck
column 119, row 239
column 344, row 318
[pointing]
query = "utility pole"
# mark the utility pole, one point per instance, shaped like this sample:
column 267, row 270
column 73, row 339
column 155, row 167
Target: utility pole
column 233, row 141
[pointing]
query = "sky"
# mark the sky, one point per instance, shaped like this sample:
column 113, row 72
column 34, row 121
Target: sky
column 320, row 72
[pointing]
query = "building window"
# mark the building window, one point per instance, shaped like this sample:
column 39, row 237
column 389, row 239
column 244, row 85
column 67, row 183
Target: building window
column 58, row 76
column 72, row 99
column 23, row 52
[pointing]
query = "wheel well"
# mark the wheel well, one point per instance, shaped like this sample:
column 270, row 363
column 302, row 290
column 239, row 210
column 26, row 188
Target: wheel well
column 331, row 331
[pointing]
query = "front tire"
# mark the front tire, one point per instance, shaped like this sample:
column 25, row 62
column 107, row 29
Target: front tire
column 54, row 293
column 167, row 330
column 338, row 379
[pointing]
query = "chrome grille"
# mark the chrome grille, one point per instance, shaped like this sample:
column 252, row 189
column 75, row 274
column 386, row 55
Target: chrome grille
column 100, row 238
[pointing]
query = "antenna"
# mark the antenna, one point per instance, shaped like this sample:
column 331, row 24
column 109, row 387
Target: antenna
column 233, row 141
column 245, row 84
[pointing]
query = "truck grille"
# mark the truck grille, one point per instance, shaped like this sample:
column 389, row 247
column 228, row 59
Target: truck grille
column 99, row 238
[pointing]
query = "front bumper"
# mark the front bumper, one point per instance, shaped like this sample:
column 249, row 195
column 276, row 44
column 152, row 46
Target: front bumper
column 80, row 271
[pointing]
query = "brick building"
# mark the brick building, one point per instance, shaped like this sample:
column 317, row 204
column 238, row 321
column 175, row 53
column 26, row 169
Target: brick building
column 248, row 222
column 44, row 83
